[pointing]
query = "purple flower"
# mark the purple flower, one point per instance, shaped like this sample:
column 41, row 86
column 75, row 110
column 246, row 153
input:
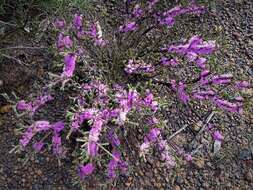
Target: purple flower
column 168, row 17
column 182, row 94
column 204, row 95
column 188, row 157
column 63, row 41
column 95, row 130
column 40, row 101
column 204, row 73
column 22, row 105
column 168, row 21
column 57, row 145
column 166, row 156
column 151, row 3
column 137, row 12
column 38, row 146
column 222, row 79
column 85, row 170
column 41, row 126
column 97, row 34
column 92, row 149
column 58, row 126
column 79, row 118
column 153, row 121
column 149, row 101
column 113, row 138
column 242, row 85
column 226, row 105
column 153, row 135
column 169, row 62
column 33, row 106
column 194, row 46
column 201, row 62
column 27, row 136
column 145, row 146
column 217, row 136
column 67, row 41
column 130, row 26
column 94, row 137
column 78, row 19
column 59, row 23
column 115, row 163
column 69, row 67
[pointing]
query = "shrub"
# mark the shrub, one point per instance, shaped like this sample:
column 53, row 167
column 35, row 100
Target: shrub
column 121, row 69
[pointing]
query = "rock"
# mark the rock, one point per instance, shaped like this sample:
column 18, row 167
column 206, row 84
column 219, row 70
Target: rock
column 200, row 163
column 5, row 109
column 179, row 180
column 197, row 126
column 245, row 154
column 177, row 188
column 39, row 172
column 250, row 43
column 249, row 176
column 237, row 35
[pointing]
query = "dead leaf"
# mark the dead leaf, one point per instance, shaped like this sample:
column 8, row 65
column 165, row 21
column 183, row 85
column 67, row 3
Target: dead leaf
column 5, row 109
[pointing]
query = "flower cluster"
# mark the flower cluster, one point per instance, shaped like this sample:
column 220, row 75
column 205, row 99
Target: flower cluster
column 33, row 106
column 45, row 127
column 168, row 17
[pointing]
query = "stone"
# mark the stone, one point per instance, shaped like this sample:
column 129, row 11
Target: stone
column 200, row 163
column 5, row 109
column 249, row 176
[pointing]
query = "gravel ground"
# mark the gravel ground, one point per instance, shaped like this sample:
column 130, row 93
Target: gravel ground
column 231, row 22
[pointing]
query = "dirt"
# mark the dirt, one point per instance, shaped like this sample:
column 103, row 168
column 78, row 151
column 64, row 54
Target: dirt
column 232, row 24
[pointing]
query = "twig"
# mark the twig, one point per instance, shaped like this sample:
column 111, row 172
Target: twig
column 177, row 132
column 7, row 23
column 107, row 151
column 13, row 58
column 22, row 47
column 208, row 119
